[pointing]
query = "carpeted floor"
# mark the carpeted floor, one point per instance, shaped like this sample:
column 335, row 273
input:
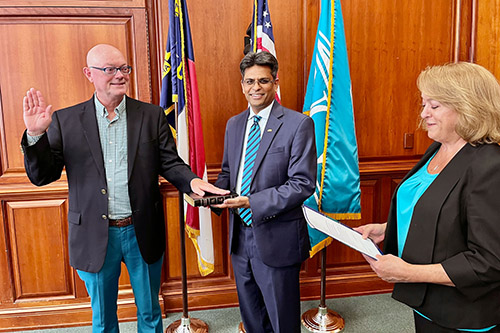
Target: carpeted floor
column 363, row 314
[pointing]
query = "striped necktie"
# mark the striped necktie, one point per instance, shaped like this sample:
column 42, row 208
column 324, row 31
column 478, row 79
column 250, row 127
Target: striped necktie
column 253, row 143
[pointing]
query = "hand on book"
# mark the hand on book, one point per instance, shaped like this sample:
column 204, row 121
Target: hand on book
column 199, row 187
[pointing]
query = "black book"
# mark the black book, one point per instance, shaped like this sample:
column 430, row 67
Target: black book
column 208, row 199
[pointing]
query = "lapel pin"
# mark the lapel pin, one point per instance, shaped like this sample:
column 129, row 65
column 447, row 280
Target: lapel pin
column 269, row 130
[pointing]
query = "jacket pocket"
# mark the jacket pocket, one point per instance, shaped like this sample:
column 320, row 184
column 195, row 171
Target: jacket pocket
column 276, row 150
column 74, row 217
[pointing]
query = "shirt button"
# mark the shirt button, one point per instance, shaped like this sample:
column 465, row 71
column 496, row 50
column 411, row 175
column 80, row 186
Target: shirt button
column 104, row 217
column 103, row 191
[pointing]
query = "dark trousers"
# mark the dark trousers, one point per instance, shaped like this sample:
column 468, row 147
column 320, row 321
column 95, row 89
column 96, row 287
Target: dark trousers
column 423, row 325
column 269, row 297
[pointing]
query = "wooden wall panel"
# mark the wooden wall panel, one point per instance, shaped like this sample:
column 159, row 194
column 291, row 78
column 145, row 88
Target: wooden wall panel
column 50, row 54
column 38, row 248
column 488, row 35
column 6, row 292
column 73, row 3
column 467, row 22
column 389, row 43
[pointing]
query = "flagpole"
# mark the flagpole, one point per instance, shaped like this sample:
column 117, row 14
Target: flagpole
column 323, row 319
column 185, row 324
column 183, row 258
column 328, row 101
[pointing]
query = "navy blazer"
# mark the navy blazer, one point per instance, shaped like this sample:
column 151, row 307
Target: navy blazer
column 72, row 141
column 284, row 175
column 456, row 222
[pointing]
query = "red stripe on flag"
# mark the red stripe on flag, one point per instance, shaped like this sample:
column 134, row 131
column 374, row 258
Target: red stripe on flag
column 195, row 133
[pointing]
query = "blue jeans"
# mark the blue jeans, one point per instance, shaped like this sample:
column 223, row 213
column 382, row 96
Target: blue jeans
column 144, row 278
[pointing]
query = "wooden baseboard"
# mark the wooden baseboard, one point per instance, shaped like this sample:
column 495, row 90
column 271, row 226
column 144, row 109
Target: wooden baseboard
column 27, row 316
column 341, row 285
column 57, row 316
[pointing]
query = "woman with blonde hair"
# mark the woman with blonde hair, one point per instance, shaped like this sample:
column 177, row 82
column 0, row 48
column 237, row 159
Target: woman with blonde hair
column 442, row 236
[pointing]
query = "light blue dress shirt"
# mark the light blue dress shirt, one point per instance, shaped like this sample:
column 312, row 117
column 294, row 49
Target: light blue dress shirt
column 113, row 135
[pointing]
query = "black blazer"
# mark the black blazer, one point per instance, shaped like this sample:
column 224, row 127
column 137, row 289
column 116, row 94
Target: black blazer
column 284, row 176
column 456, row 222
column 72, row 141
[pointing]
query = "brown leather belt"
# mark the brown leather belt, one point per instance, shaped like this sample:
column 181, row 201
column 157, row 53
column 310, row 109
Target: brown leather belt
column 121, row 222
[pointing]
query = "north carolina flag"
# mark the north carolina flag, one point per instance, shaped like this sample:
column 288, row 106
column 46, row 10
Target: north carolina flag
column 328, row 102
column 262, row 38
column 179, row 85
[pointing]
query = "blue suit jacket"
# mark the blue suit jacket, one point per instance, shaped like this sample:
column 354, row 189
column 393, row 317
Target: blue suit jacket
column 72, row 141
column 284, row 176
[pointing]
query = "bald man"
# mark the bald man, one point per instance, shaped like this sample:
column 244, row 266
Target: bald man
column 113, row 148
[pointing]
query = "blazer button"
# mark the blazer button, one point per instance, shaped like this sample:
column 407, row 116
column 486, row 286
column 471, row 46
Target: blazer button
column 103, row 191
column 104, row 217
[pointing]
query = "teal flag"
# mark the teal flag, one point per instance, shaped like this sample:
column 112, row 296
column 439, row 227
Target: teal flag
column 328, row 102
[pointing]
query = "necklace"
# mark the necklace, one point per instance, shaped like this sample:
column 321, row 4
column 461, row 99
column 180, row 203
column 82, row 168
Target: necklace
column 444, row 157
column 438, row 163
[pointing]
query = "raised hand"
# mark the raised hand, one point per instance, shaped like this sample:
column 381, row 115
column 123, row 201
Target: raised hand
column 37, row 116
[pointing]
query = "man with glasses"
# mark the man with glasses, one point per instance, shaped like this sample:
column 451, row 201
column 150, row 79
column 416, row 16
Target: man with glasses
column 270, row 160
column 113, row 148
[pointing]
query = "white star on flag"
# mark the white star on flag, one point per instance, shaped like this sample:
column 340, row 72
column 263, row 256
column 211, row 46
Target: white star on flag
column 267, row 24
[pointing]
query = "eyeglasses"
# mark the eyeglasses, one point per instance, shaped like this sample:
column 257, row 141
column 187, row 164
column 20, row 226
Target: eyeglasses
column 112, row 70
column 262, row 82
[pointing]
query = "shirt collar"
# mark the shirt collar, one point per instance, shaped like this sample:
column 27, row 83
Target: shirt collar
column 264, row 113
column 101, row 110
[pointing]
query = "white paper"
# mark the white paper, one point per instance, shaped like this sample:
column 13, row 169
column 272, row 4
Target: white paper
column 340, row 232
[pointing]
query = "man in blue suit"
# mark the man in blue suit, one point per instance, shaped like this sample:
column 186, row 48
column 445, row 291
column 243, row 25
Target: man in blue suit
column 274, row 171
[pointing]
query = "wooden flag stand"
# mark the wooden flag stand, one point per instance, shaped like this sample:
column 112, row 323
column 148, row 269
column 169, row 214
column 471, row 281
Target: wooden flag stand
column 185, row 324
column 322, row 319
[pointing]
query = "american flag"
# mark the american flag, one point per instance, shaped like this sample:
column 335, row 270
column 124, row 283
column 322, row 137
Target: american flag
column 179, row 85
column 262, row 38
